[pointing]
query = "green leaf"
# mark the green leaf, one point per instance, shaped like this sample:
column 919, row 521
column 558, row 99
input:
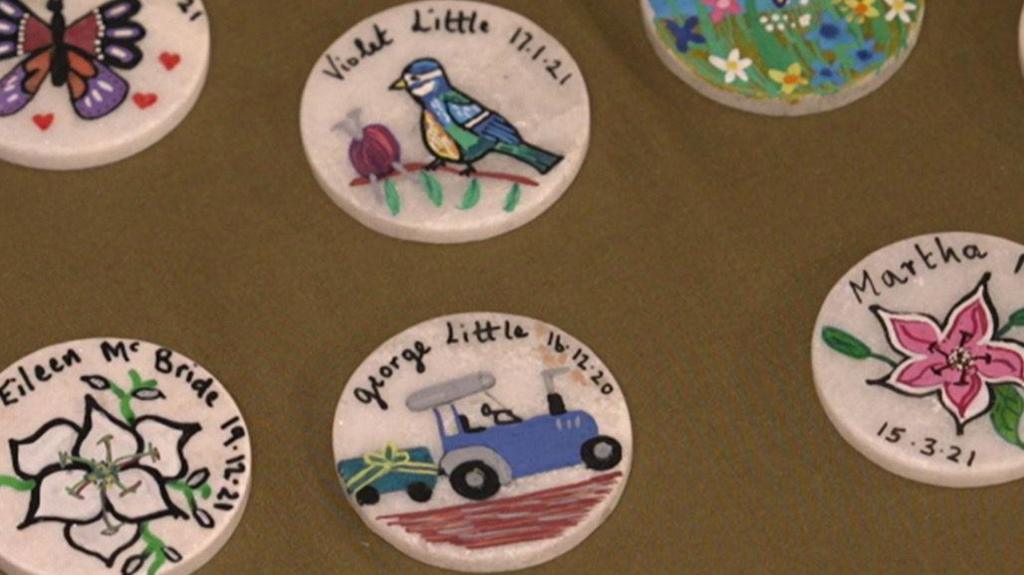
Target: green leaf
column 392, row 197
column 433, row 188
column 514, row 195
column 1016, row 320
column 472, row 197
column 1006, row 413
column 845, row 343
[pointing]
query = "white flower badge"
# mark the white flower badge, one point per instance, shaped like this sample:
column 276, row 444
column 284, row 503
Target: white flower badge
column 107, row 480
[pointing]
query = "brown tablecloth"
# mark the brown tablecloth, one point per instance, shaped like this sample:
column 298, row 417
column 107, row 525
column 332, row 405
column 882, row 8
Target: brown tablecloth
column 692, row 253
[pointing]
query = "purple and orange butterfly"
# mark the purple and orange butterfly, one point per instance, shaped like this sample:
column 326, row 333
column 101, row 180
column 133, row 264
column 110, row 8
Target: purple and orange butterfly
column 79, row 55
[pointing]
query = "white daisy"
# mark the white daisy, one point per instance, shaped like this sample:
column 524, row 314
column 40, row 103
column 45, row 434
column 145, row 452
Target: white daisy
column 735, row 66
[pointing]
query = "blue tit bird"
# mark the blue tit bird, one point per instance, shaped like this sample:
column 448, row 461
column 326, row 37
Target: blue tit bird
column 460, row 130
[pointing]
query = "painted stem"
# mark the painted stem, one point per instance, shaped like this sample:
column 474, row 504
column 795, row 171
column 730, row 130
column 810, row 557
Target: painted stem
column 884, row 359
column 155, row 546
column 16, row 484
column 414, row 167
column 1005, row 330
column 205, row 491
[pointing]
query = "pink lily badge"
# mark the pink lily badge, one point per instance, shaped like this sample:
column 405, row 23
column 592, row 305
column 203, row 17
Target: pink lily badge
column 957, row 361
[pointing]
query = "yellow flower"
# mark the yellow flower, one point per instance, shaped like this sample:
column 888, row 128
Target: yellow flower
column 861, row 10
column 791, row 79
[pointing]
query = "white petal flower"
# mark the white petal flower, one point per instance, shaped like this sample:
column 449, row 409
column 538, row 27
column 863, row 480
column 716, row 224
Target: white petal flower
column 735, row 66
column 168, row 439
column 142, row 497
column 65, row 496
column 900, row 9
column 33, row 454
column 102, row 435
column 104, row 478
column 102, row 539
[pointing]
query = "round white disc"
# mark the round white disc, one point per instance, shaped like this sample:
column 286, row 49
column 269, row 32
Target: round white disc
column 121, row 77
column 918, row 361
column 483, row 442
column 784, row 57
column 445, row 122
column 120, row 457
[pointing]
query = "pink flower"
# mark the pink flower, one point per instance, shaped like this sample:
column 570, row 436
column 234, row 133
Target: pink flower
column 958, row 361
column 722, row 8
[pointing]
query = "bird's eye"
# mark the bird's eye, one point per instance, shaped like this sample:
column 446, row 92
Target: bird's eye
column 414, row 79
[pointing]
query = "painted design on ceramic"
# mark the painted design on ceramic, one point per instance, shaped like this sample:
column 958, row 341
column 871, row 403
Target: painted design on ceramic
column 785, row 49
column 81, row 55
column 108, row 480
column 511, row 437
column 478, row 460
column 966, row 362
column 123, row 482
column 456, row 129
column 445, row 122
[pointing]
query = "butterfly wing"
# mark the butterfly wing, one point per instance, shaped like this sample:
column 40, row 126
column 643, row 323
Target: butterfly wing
column 95, row 89
column 22, row 83
column 109, row 34
column 21, row 31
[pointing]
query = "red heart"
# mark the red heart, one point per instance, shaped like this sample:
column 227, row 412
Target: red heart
column 43, row 121
column 144, row 101
column 170, row 61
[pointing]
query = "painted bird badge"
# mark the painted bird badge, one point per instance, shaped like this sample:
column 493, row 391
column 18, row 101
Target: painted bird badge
column 458, row 129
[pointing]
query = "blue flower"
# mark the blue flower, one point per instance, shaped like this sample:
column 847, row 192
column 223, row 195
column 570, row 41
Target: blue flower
column 686, row 34
column 827, row 74
column 830, row 32
column 865, row 57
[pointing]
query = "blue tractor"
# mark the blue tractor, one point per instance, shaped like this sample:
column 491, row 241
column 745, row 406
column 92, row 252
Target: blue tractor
column 479, row 460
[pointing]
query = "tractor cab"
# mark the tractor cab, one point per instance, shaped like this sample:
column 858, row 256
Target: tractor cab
column 479, row 460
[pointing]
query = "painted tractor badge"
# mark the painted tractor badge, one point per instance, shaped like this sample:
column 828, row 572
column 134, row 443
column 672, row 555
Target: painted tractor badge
column 479, row 461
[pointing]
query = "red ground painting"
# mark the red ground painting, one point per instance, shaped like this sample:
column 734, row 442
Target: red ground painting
column 531, row 517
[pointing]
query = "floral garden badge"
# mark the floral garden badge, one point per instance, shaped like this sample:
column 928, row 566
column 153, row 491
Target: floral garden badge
column 483, row 442
column 784, row 57
column 445, row 122
column 86, row 82
column 117, row 457
column 919, row 363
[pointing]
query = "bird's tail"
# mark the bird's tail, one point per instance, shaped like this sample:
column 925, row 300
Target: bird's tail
column 541, row 160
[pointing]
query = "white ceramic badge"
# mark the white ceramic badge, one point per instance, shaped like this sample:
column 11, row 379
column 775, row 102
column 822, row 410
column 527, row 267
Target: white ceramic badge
column 918, row 358
column 483, row 442
column 784, row 57
column 85, row 83
column 119, row 457
column 445, row 122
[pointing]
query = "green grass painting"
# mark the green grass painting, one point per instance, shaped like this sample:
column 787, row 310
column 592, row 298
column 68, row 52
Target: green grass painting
column 759, row 49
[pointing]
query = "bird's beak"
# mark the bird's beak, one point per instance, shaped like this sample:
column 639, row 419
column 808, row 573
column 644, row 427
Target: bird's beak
column 399, row 84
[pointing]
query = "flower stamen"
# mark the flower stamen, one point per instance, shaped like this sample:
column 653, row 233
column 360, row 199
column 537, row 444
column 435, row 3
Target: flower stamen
column 960, row 360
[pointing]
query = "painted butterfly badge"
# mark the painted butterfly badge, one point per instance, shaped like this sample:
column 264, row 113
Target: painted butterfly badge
column 82, row 55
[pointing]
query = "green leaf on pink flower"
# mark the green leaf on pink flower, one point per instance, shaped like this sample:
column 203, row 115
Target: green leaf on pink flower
column 1016, row 320
column 845, row 343
column 1006, row 413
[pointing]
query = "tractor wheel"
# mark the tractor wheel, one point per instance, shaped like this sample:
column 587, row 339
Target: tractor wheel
column 368, row 496
column 475, row 480
column 419, row 492
column 601, row 453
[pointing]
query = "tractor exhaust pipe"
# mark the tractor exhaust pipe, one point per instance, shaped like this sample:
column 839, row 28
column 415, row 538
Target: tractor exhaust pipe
column 556, row 405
